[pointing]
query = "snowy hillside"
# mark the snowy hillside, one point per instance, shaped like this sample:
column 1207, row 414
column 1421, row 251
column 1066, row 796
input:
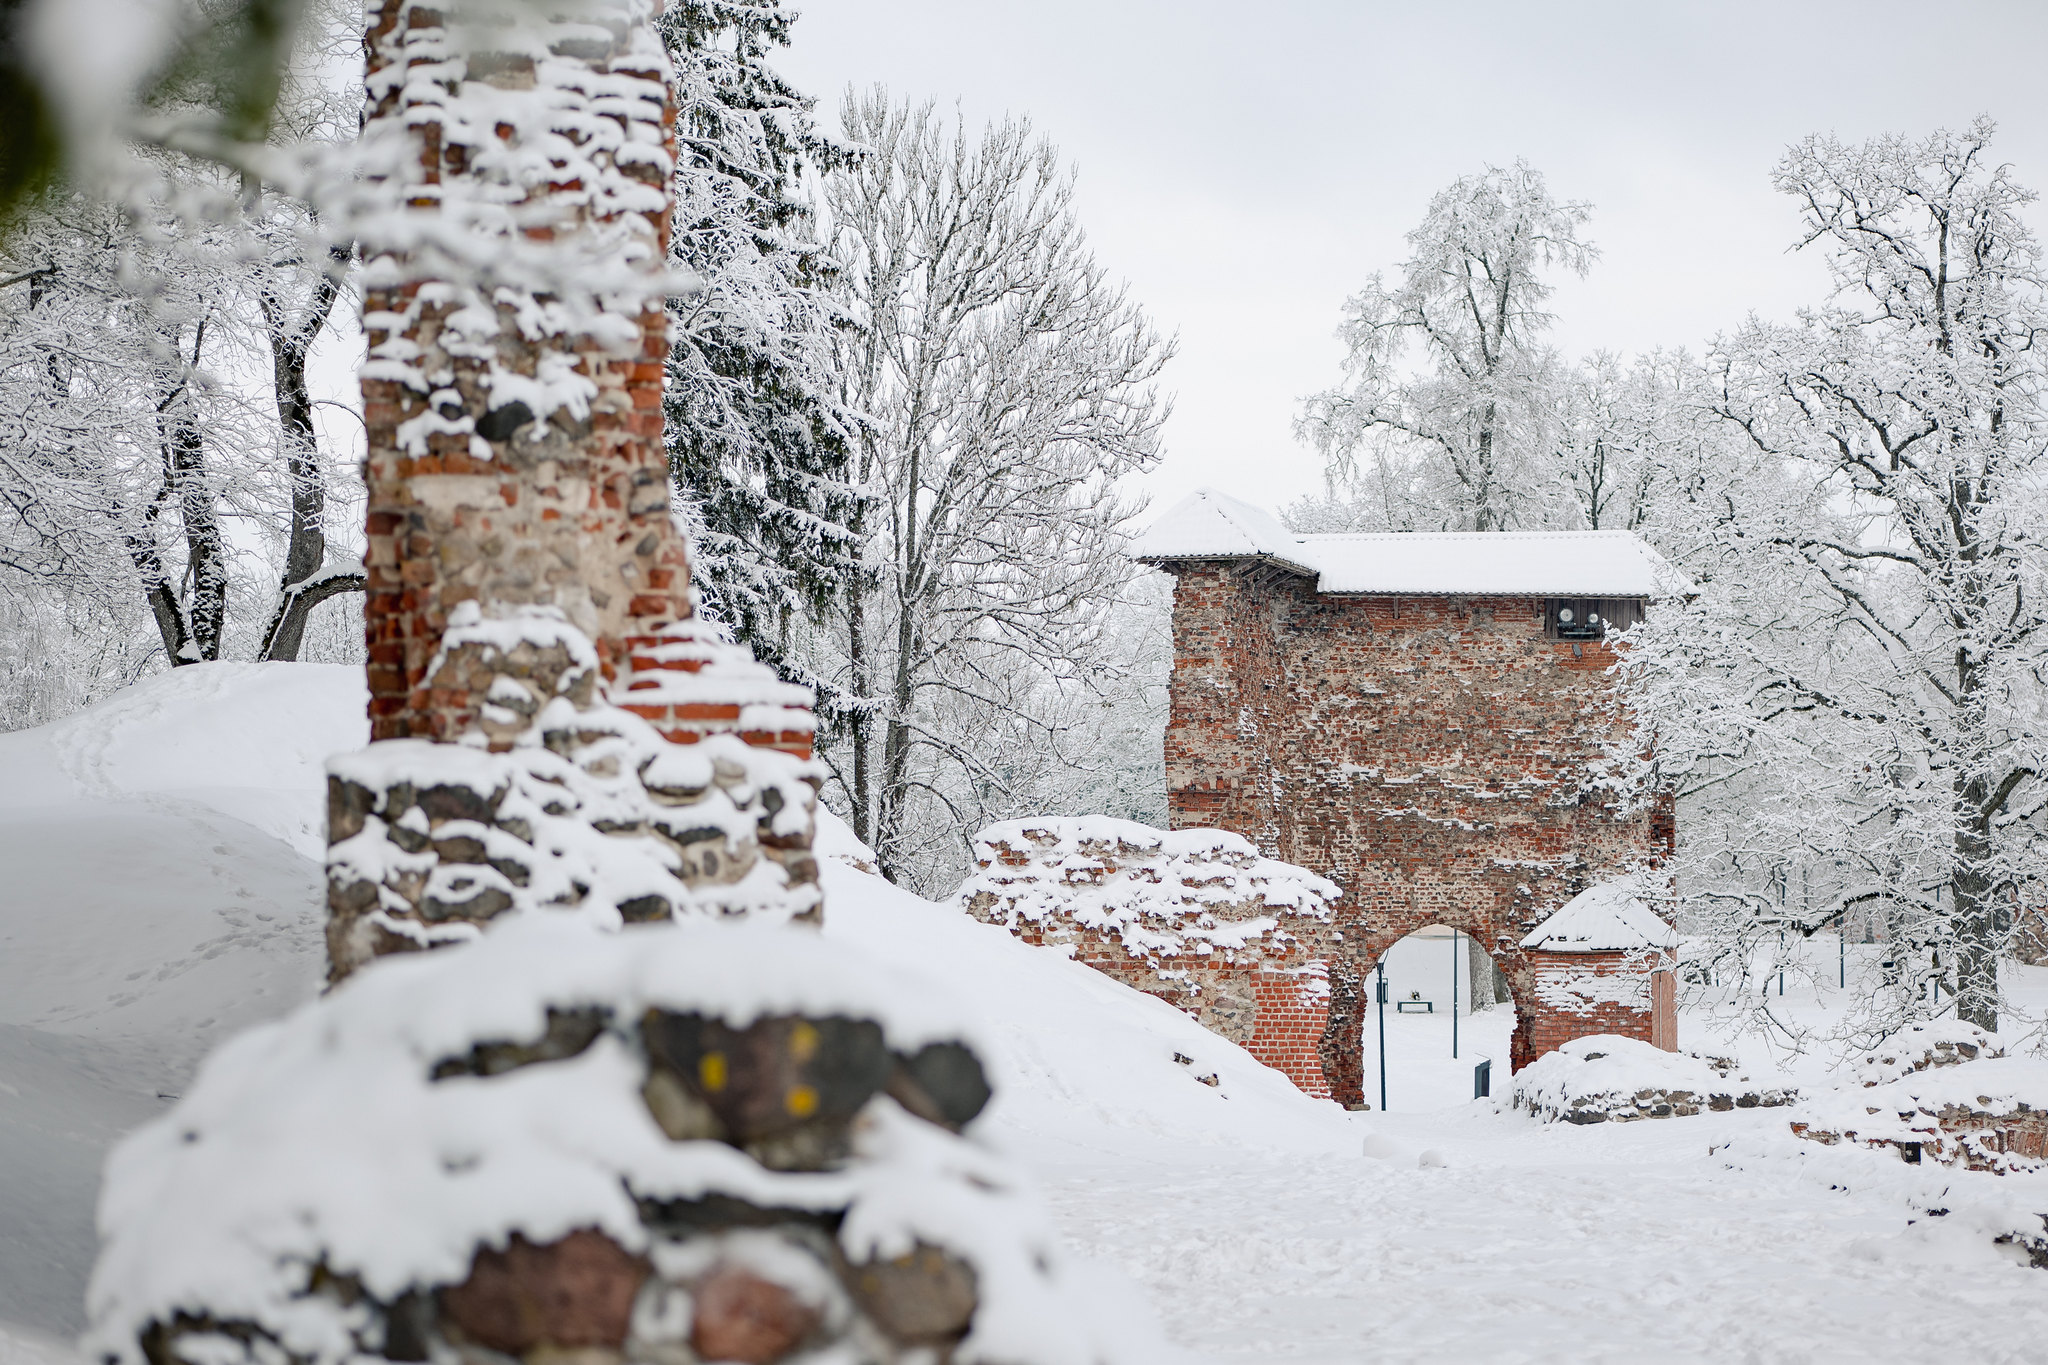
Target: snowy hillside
column 161, row 892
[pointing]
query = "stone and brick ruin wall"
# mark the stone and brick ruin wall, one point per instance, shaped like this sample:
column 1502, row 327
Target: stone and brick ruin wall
column 474, row 495
column 1942, row 1091
column 1194, row 917
column 528, row 590
column 1430, row 755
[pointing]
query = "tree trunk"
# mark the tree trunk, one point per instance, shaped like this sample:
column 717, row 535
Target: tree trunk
column 1484, row 517
column 306, row 552
column 896, row 756
column 205, row 549
column 288, row 625
column 156, row 587
column 859, row 726
column 1973, row 908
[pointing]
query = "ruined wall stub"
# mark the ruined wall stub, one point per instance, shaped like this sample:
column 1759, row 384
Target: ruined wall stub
column 528, row 590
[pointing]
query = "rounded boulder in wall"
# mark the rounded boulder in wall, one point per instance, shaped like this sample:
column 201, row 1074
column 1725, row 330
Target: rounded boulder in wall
column 1232, row 1013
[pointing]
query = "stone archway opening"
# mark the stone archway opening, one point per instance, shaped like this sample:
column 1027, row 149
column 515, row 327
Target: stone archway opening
column 1448, row 1007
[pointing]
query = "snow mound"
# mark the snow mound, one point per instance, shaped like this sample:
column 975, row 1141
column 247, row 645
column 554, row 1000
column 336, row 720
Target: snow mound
column 1952, row 1211
column 438, row 1102
column 246, row 740
column 158, row 894
column 1605, row 1076
column 1082, row 1062
column 1921, row 1047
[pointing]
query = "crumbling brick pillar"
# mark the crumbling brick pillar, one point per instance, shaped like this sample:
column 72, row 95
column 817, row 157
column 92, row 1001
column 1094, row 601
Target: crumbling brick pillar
column 515, row 453
column 528, row 589
column 515, row 459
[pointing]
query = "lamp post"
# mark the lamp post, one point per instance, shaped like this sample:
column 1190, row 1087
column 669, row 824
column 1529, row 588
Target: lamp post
column 1382, row 992
column 1455, row 941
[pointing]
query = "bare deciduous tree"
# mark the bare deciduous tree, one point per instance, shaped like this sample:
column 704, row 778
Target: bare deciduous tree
column 1008, row 384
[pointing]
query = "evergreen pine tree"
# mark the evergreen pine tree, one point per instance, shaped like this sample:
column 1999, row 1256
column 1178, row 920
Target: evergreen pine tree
column 757, row 436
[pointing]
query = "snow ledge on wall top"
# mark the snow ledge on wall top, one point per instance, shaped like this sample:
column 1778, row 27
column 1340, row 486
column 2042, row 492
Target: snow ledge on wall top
column 1208, row 525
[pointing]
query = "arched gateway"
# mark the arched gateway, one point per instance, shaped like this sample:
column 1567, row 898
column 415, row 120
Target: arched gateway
column 1414, row 716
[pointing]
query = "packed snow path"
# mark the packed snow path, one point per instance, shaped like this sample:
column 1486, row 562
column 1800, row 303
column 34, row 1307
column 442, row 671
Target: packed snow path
column 145, row 842
column 1618, row 1243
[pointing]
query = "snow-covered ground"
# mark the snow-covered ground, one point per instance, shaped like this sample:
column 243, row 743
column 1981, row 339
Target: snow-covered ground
column 158, row 890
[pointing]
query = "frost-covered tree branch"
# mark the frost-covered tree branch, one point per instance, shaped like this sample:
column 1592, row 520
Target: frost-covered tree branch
column 1008, row 384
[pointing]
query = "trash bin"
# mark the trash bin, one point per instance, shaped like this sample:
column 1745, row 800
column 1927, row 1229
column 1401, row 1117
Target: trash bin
column 1482, row 1080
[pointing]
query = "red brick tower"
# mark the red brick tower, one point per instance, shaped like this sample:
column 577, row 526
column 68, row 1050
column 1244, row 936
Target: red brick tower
column 1414, row 717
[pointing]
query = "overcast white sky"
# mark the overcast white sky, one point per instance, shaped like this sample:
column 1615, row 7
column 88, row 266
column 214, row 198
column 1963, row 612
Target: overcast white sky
column 1247, row 166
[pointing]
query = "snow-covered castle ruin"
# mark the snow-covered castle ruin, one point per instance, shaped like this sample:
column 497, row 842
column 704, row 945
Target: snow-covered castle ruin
column 1195, row 917
column 1417, row 717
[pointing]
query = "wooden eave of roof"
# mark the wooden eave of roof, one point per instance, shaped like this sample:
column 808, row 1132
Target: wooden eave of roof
column 1270, row 561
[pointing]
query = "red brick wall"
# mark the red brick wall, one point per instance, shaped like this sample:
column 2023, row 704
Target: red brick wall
column 1646, row 1014
column 1426, row 754
column 1280, row 972
column 1293, row 1013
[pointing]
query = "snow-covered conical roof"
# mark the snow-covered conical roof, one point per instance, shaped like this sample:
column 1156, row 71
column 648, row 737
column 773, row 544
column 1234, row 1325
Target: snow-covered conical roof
column 1212, row 525
column 1607, row 918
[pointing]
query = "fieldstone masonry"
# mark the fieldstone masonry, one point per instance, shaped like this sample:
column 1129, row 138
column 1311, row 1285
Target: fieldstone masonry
column 1195, row 917
column 1432, row 753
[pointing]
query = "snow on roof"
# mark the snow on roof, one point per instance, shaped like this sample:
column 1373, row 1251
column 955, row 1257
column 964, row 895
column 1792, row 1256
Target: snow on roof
column 1211, row 525
column 1550, row 563
column 1606, row 918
